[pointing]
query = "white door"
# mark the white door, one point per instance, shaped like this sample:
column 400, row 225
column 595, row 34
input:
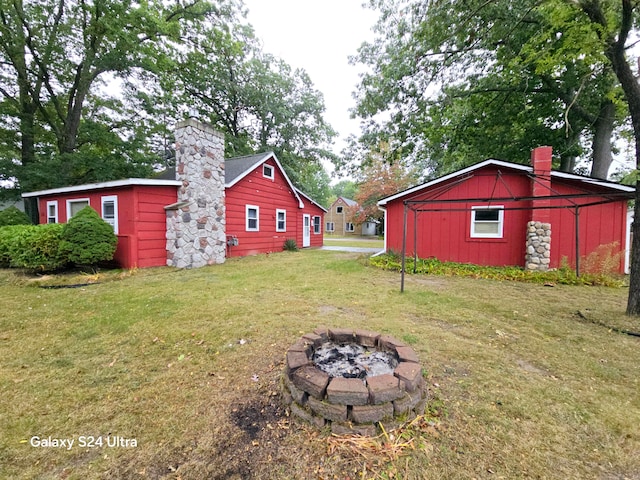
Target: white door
column 306, row 230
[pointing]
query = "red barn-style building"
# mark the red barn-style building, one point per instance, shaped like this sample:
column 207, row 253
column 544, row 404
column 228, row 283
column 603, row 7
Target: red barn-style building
column 500, row 213
column 211, row 209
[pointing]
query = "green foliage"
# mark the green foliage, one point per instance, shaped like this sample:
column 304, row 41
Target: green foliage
column 87, row 239
column 13, row 216
column 290, row 245
column 459, row 82
column 431, row 266
column 32, row 247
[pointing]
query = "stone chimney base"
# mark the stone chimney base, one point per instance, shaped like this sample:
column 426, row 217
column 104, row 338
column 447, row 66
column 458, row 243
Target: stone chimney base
column 538, row 254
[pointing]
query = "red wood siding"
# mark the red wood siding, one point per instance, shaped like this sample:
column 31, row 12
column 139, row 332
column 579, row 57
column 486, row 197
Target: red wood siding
column 446, row 234
column 268, row 195
column 141, row 220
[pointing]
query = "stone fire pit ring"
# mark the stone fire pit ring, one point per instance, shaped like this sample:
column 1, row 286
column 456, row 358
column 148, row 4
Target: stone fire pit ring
column 352, row 405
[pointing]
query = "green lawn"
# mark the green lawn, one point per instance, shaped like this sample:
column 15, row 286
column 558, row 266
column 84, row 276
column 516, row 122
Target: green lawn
column 353, row 241
column 186, row 364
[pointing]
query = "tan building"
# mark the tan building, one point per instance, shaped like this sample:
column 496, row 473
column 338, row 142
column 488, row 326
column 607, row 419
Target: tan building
column 339, row 221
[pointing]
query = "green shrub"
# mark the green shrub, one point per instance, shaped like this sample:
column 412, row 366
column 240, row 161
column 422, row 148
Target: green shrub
column 13, row 216
column 87, row 239
column 290, row 245
column 34, row 247
column 432, row 266
column 7, row 239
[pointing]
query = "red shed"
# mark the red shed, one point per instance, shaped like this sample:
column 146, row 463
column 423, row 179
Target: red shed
column 501, row 213
column 214, row 208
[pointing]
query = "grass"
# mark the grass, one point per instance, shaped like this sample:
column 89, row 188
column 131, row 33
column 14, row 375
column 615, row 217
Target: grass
column 523, row 383
column 353, row 241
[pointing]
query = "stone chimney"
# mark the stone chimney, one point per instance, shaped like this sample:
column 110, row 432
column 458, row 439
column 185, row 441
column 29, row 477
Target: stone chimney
column 538, row 248
column 196, row 223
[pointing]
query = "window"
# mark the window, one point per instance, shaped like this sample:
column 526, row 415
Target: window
column 348, row 227
column 487, row 222
column 110, row 211
column 253, row 224
column 267, row 171
column 74, row 206
column 339, row 209
column 330, row 227
column 52, row 212
column 316, row 225
column 281, row 220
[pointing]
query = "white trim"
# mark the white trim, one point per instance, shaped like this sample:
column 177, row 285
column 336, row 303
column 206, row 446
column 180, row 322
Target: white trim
column 627, row 252
column 311, row 200
column 499, row 234
column 76, row 200
column 96, row 186
column 257, row 219
column 259, row 162
column 313, row 224
column 306, row 230
column 278, row 211
column 271, row 168
column 54, row 204
column 114, row 222
column 503, row 164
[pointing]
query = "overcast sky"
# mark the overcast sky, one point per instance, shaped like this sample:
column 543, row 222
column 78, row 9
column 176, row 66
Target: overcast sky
column 318, row 36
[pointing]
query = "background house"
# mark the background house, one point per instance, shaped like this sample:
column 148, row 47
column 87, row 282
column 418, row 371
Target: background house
column 207, row 210
column 501, row 213
column 339, row 219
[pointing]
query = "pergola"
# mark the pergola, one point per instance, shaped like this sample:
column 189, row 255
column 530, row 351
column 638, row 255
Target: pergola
column 574, row 201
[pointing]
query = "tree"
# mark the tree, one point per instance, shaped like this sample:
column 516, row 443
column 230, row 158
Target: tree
column 613, row 25
column 345, row 188
column 256, row 99
column 55, row 56
column 458, row 82
column 377, row 180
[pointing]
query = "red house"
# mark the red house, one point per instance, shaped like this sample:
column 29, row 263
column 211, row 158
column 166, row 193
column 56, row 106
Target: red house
column 213, row 209
column 501, row 213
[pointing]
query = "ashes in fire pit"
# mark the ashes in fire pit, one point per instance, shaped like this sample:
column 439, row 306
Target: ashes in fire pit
column 352, row 380
column 350, row 360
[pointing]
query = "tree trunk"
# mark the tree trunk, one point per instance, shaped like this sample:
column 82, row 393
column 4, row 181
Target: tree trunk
column 603, row 130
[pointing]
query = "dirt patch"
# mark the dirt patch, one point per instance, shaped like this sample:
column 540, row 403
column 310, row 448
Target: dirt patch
column 254, row 417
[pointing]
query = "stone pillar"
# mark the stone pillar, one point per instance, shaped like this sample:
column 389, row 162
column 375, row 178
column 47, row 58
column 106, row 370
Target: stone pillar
column 196, row 223
column 538, row 247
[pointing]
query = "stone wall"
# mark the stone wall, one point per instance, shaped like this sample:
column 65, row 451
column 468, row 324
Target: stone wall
column 352, row 405
column 538, row 246
column 196, row 223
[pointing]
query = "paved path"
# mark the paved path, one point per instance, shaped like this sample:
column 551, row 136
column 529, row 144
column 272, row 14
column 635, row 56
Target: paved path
column 352, row 249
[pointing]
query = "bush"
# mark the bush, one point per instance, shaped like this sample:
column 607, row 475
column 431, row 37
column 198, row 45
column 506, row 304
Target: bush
column 7, row 239
column 13, row 216
column 87, row 239
column 290, row 245
column 34, row 247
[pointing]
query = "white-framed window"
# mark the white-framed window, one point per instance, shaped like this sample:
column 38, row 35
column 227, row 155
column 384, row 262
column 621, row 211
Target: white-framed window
column 52, row 211
column 267, row 171
column 75, row 205
column 281, row 220
column 487, row 222
column 110, row 211
column 348, row 227
column 316, row 225
column 330, row 227
column 339, row 209
column 253, row 218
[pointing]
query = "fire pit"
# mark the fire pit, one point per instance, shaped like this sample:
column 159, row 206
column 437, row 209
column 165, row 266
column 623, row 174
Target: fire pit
column 352, row 380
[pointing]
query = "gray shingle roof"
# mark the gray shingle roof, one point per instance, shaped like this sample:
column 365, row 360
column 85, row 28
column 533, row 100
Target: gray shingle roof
column 237, row 166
